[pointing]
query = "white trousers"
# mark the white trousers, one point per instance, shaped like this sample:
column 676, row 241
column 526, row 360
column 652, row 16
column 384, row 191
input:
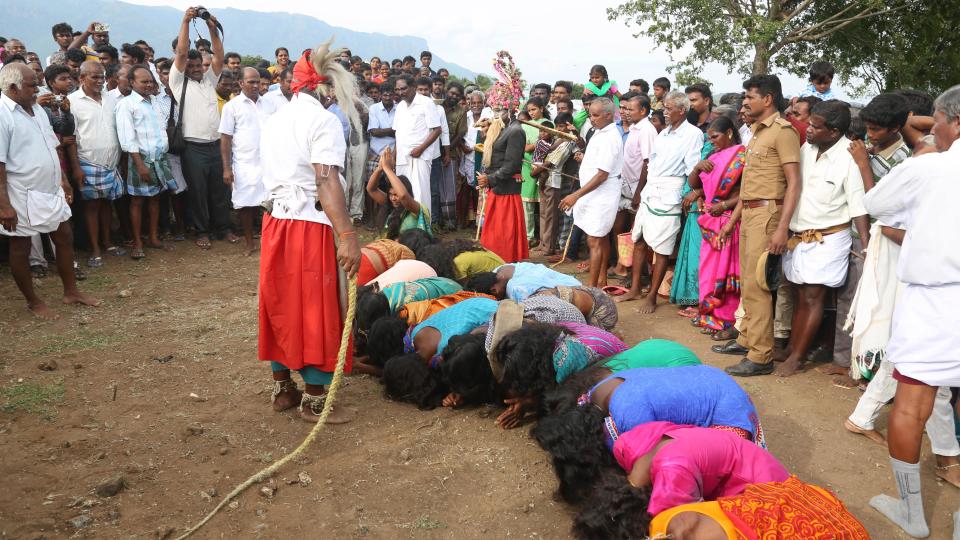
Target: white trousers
column 882, row 388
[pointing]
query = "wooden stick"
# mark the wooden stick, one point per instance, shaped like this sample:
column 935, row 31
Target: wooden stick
column 554, row 132
column 571, row 177
column 480, row 212
column 566, row 246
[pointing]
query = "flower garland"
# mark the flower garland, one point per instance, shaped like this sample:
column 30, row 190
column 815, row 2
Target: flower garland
column 508, row 91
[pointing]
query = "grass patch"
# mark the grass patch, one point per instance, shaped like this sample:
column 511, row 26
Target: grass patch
column 99, row 281
column 61, row 344
column 425, row 522
column 32, row 398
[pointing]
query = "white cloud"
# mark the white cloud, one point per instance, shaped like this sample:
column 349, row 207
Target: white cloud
column 561, row 40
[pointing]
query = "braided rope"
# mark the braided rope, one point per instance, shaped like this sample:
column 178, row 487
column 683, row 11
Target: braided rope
column 328, row 405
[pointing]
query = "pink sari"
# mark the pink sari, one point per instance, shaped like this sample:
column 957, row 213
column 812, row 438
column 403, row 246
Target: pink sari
column 720, row 268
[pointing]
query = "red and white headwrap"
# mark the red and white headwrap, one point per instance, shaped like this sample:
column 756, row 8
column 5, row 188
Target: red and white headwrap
column 305, row 76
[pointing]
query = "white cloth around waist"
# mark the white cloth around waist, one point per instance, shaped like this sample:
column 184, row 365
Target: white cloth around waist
column 292, row 201
column 662, row 193
column 924, row 345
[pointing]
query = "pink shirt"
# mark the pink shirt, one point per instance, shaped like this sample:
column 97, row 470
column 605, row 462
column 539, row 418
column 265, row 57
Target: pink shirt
column 638, row 147
column 404, row 270
column 698, row 464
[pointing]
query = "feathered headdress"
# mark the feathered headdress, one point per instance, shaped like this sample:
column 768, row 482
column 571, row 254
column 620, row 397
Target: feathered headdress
column 506, row 93
column 318, row 70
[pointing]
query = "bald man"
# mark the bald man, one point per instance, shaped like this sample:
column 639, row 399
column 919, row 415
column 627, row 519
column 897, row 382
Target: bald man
column 94, row 164
column 35, row 195
column 240, row 124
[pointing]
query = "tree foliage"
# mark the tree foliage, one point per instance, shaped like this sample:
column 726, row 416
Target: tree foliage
column 250, row 60
column 744, row 35
column 917, row 47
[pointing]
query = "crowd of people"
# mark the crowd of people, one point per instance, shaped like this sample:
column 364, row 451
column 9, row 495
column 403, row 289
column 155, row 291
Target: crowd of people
column 757, row 215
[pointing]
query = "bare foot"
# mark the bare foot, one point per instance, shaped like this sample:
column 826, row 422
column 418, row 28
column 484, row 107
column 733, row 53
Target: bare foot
column 42, row 312
column 779, row 355
column 948, row 470
column 871, row 434
column 649, row 304
column 339, row 415
column 790, row 367
column 80, row 298
column 632, row 294
column 287, row 399
column 833, row 369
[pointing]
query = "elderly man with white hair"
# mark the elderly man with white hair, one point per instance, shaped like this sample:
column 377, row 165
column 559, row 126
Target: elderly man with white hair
column 595, row 203
column 676, row 151
column 34, row 193
column 918, row 195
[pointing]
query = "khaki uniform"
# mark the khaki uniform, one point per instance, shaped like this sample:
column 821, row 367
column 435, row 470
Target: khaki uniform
column 775, row 143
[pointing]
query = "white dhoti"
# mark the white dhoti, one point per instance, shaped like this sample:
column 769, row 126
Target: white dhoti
column 819, row 263
column 596, row 211
column 417, row 171
column 925, row 344
column 38, row 212
column 248, row 190
column 658, row 217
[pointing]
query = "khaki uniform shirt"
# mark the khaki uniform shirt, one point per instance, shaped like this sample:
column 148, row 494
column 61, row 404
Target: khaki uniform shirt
column 774, row 143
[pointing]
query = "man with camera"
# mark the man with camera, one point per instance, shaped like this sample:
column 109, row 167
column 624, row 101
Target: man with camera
column 202, row 166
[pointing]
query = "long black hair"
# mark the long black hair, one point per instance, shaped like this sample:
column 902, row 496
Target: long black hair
column 527, row 359
column 385, row 340
column 396, row 213
column 440, row 256
column 466, row 371
column 722, row 124
column 416, row 240
column 481, row 283
column 616, row 511
column 564, row 397
column 371, row 306
column 576, row 443
column 407, row 378
column 540, row 104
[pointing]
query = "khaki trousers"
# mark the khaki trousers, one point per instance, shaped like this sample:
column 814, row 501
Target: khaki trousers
column 756, row 330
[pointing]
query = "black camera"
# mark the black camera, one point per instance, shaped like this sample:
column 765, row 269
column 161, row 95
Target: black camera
column 202, row 13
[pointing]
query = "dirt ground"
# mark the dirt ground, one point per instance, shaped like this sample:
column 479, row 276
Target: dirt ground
column 160, row 387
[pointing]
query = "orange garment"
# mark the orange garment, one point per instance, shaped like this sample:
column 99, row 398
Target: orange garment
column 785, row 510
column 379, row 256
column 417, row 312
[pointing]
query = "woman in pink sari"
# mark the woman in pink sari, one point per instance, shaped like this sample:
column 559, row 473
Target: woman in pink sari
column 719, row 176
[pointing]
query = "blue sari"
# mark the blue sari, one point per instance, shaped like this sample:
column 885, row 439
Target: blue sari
column 685, row 289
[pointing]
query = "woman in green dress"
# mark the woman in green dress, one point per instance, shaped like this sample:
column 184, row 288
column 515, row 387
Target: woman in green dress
column 530, row 192
column 685, row 288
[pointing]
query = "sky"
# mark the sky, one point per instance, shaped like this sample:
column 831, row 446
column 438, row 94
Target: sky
column 471, row 36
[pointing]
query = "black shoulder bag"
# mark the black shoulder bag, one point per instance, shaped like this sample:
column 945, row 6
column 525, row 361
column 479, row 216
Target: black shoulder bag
column 175, row 141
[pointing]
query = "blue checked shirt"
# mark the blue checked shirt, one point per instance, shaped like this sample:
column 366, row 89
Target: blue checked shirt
column 141, row 127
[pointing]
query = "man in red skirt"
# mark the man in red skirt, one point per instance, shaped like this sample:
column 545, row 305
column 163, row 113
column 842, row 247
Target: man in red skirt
column 303, row 150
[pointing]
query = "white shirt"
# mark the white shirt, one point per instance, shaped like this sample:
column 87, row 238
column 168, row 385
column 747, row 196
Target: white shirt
column 604, row 153
column 413, row 123
column 28, row 149
column 920, row 196
column 201, row 116
column 293, row 140
column 832, row 192
column 96, row 133
column 115, row 94
column 639, row 147
column 271, row 102
column 443, row 139
column 242, row 119
column 745, row 134
column 675, row 151
column 380, row 118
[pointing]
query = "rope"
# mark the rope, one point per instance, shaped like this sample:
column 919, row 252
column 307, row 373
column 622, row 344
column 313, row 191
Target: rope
column 327, row 406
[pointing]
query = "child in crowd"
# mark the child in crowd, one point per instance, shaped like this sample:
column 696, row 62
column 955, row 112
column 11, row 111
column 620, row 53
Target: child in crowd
column 661, row 86
column 821, row 77
column 600, row 85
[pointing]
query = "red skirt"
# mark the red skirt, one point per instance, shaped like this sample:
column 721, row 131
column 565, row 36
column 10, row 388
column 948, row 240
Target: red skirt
column 504, row 229
column 300, row 322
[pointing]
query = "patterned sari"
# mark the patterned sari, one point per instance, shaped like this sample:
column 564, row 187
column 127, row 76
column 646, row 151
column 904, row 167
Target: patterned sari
column 720, row 265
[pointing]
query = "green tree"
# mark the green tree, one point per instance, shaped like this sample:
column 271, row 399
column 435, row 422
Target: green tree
column 740, row 34
column 685, row 76
column 917, row 47
column 250, row 60
column 577, row 92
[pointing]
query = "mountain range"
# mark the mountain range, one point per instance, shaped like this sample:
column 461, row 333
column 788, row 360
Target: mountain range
column 247, row 32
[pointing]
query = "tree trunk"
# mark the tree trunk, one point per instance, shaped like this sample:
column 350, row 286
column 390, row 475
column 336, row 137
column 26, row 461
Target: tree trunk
column 761, row 59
